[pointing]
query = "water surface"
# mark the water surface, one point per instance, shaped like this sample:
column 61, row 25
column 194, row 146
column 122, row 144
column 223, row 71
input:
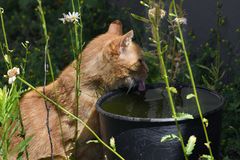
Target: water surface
column 154, row 103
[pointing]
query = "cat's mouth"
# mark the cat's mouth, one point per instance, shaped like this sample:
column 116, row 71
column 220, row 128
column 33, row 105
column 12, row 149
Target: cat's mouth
column 141, row 85
column 132, row 82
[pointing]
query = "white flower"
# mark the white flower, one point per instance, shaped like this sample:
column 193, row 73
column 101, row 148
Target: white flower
column 62, row 19
column 70, row 17
column 11, row 80
column 162, row 13
column 152, row 13
column 181, row 20
column 12, row 73
column 6, row 58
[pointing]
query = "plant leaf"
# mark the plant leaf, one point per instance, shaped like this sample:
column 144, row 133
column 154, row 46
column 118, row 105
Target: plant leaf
column 6, row 58
column 204, row 67
column 145, row 20
column 181, row 116
column 205, row 121
column 172, row 15
column 20, row 147
column 189, row 96
column 187, row 76
column 206, row 157
column 144, row 4
column 112, row 143
column 152, row 40
column 207, row 145
column 169, row 137
column 205, row 81
column 173, row 90
column 92, row 141
column 190, row 145
column 178, row 39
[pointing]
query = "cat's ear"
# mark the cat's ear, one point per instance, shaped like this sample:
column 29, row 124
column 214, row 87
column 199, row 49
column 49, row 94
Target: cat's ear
column 119, row 45
column 126, row 39
column 115, row 28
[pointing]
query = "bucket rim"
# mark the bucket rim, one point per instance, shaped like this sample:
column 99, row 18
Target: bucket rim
column 104, row 97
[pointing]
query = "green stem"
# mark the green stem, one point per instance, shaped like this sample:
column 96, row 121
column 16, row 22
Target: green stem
column 79, row 6
column 6, row 63
column 47, row 56
column 193, row 83
column 25, row 63
column 73, row 6
column 72, row 42
column 46, row 50
column 71, row 115
column 78, row 50
column 5, row 36
column 165, row 77
column 46, row 37
column 5, row 140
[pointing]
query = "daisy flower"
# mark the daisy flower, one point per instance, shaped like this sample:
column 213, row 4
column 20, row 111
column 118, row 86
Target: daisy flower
column 181, row 20
column 70, row 17
column 12, row 73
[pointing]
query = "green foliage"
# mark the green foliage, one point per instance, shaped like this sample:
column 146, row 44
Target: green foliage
column 190, row 145
column 213, row 73
column 170, row 48
column 189, row 96
column 155, row 16
column 153, row 65
column 169, row 137
column 219, row 71
column 173, row 90
column 92, row 141
column 181, row 116
column 112, row 143
column 206, row 157
column 145, row 20
column 9, row 121
column 231, row 120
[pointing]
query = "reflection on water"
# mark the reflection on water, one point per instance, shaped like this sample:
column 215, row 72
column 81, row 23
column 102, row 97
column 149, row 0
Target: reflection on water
column 154, row 103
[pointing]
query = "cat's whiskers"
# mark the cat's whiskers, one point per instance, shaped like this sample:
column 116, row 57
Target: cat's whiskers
column 131, row 83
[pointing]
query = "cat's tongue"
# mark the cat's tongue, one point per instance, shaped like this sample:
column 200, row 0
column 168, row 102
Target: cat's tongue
column 141, row 86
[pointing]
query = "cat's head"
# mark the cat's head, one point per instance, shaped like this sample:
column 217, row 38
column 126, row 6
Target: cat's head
column 125, row 59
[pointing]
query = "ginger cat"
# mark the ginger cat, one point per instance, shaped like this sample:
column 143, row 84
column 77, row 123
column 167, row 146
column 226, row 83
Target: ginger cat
column 109, row 61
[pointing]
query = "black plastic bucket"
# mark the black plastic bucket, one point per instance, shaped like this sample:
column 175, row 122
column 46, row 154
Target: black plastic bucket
column 139, row 138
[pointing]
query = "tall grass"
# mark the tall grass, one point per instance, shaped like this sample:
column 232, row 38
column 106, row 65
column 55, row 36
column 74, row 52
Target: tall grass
column 9, row 119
